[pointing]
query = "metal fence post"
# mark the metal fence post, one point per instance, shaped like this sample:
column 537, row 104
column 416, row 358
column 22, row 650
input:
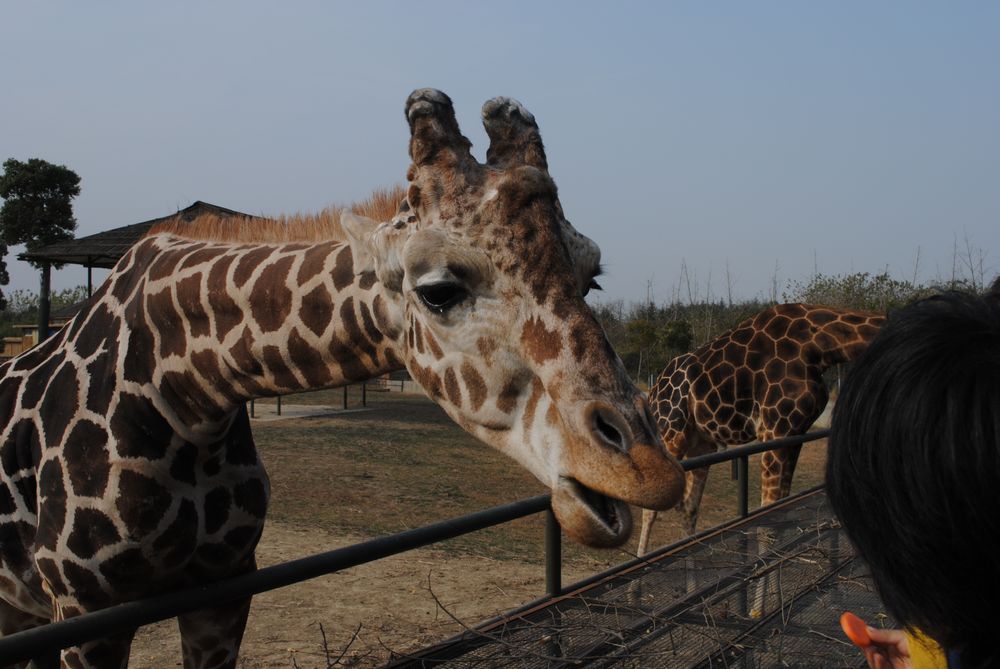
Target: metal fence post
column 553, row 555
column 345, row 398
column 364, row 393
column 279, row 405
column 251, row 409
column 743, row 475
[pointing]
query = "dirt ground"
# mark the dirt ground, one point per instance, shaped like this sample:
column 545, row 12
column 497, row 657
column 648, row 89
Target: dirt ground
column 342, row 477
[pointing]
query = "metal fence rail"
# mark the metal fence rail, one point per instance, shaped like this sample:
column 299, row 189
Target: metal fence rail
column 42, row 641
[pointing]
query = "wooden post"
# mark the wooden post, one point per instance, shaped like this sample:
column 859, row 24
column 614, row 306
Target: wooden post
column 43, row 303
column 345, row 398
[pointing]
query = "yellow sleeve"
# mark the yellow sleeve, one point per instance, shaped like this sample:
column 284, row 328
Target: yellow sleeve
column 925, row 653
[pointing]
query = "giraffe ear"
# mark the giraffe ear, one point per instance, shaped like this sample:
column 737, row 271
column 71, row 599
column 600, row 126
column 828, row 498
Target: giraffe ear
column 375, row 247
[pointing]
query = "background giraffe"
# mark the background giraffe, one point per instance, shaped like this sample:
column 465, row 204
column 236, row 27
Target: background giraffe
column 128, row 467
column 761, row 380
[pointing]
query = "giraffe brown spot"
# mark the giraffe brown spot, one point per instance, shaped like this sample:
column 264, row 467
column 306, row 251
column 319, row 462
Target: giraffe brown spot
column 87, row 462
column 276, row 367
column 15, row 539
column 140, row 359
column 475, row 384
column 487, row 347
column 217, row 505
column 241, row 538
column 206, row 363
column 189, row 299
column 26, row 492
column 128, row 572
column 58, row 408
column 183, row 466
column 270, row 298
column 351, row 366
column 100, row 325
column 140, row 431
column 541, row 343
column 308, row 361
column 316, row 311
column 313, row 262
column 247, row 263
column 102, row 370
column 85, row 586
column 22, row 449
column 243, row 358
column 343, row 269
column 428, row 380
column 353, row 331
column 164, row 265
column 225, row 312
column 38, row 380
column 9, row 387
column 432, row 345
column 92, row 531
column 417, row 337
column 7, row 503
column 179, row 541
column 52, row 509
column 366, row 280
column 184, row 393
column 251, row 496
column 164, row 319
column 509, row 394
column 141, row 503
column 371, row 330
column 451, row 387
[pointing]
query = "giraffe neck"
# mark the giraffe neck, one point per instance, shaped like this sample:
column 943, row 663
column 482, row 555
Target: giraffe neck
column 212, row 325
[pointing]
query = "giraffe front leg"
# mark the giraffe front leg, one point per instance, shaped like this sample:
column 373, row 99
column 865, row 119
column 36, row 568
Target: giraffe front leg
column 648, row 518
column 107, row 653
column 211, row 638
column 694, row 489
column 776, row 470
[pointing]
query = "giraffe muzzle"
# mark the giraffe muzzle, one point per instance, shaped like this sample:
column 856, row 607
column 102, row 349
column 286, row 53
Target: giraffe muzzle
column 589, row 517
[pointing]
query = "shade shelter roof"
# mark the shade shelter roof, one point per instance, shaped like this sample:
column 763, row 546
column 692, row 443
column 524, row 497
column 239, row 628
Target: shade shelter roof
column 104, row 249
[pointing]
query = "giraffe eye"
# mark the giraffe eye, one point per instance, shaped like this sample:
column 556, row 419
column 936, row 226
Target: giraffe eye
column 440, row 297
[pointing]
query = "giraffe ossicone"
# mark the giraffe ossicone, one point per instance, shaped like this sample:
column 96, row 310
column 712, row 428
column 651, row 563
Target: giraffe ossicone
column 128, row 465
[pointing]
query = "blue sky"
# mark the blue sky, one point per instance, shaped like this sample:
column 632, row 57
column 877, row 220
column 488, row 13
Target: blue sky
column 769, row 138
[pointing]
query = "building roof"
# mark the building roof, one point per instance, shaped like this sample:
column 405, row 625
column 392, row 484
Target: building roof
column 104, row 249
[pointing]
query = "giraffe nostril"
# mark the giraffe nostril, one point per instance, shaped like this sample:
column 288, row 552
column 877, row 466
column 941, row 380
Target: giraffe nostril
column 609, row 432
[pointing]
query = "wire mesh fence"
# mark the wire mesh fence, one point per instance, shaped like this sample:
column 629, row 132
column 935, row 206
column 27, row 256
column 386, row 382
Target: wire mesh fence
column 766, row 592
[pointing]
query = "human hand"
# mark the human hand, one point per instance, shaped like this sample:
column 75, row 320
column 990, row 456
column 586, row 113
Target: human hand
column 883, row 648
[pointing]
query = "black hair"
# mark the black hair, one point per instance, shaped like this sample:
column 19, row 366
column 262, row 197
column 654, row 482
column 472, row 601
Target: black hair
column 914, row 468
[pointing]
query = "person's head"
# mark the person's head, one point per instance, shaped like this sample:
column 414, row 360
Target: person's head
column 914, row 467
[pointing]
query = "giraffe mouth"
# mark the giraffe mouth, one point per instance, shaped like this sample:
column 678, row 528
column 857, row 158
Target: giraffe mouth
column 590, row 517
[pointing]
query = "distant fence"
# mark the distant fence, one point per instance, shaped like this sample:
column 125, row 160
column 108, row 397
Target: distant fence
column 43, row 643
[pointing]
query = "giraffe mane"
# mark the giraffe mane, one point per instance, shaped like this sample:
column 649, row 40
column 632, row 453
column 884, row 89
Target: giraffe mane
column 324, row 225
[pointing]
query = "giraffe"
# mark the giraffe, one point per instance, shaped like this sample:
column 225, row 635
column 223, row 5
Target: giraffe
column 761, row 380
column 128, row 465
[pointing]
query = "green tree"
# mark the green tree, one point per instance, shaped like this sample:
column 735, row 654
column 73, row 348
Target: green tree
column 37, row 210
column 861, row 290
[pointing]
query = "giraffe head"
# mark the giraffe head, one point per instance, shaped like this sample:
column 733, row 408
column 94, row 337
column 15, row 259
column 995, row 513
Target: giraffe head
column 487, row 281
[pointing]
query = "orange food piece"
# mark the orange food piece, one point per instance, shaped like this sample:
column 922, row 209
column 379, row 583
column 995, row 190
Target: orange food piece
column 855, row 629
